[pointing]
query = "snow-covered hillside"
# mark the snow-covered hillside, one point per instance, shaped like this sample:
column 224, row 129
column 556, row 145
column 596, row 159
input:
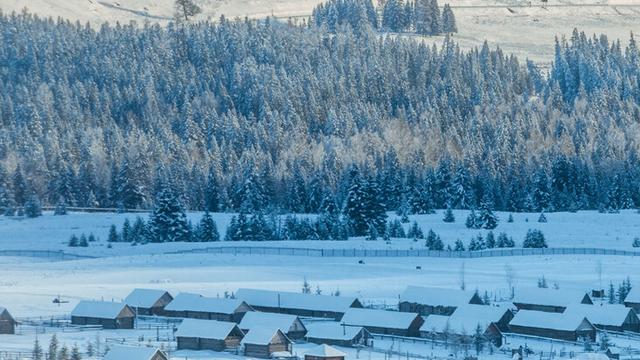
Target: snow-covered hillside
column 582, row 229
column 525, row 28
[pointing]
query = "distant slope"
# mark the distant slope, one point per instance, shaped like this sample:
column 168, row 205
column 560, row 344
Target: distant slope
column 525, row 28
column 98, row 11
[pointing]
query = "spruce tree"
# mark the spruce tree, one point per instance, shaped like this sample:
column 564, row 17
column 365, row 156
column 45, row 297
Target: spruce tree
column 534, row 239
column 168, row 222
column 53, row 348
column 448, row 216
column 32, row 207
column 113, row 234
column 75, row 353
column 207, row 229
column 448, row 20
column 36, row 353
column 212, row 196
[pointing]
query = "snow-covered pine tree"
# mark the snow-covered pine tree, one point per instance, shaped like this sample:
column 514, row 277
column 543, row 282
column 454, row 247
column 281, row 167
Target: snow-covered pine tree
column 448, row 20
column 32, row 207
column 207, row 229
column 168, row 222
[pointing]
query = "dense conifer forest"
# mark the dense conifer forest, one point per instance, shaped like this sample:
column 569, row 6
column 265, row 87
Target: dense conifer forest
column 264, row 116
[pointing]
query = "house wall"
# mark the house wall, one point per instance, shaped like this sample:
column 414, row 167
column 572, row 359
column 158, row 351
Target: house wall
column 554, row 334
column 121, row 323
column 188, row 343
column 212, row 344
column 309, row 357
column 259, row 351
column 425, row 310
column 159, row 356
column 302, row 312
column 7, row 326
column 539, row 307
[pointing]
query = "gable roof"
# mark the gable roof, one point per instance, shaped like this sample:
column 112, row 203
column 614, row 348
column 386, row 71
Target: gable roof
column 290, row 300
column 332, row 330
column 325, row 351
column 262, row 335
column 548, row 320
column 379, row 318
column 144, row 298
column 550, row 297
column 602, row 314
column 130, row 353
column 195, row 302
column 634, row 295
column 206, row 329
column 255, row 319
column 99, row 309
column 436, row 296
column 4, row 311
column 465, row 319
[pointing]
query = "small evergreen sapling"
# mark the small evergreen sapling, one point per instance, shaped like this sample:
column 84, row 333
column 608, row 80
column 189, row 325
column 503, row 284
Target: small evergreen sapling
column 448, row 216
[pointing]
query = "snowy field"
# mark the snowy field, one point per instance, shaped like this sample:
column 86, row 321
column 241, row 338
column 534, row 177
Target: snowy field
column 28, row 287
column 524, row 28
column 562, row 230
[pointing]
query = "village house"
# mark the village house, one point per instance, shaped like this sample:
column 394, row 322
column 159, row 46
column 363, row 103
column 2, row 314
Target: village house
column 148, row 301
column 610, row 317
column 559, row 326
column 336, row 334
column 324, row 352
column 266, row 342
column 289, row 324
column 135, row 353
column 436, row 301
column 109, row 315
column 492, row 321
column 7, row 322
column 194, row 334
column 548, row 300
column 306, row 305
column 633, row 299
column 195, row 306
column 384, row 322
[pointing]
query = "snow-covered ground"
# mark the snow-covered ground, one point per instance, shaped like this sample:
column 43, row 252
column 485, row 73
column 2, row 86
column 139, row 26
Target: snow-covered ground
column 27, row 287
column 525, row 28
column 581, row 229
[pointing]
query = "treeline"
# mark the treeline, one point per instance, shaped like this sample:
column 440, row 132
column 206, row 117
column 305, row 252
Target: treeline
column 422, row 16
column 236, row 120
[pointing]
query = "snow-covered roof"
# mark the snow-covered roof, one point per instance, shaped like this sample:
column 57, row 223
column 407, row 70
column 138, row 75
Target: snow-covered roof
column 255, row 319
column 378, row 318
column 547, row 320
column 98, row 309
column 591, row 356
column 261, row 336
column 195, row 302
column 332, row 330
column 205, row 329
column 144, row 298
column 465, row 319
column 436, row 296
column 289, row 300
column 325, row 351
column 546, row 296
column 130, row 353
column 634, row 295
column 601, row 314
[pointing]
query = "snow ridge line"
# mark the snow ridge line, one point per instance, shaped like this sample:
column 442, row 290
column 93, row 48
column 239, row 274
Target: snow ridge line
column 251, row 250
column 48, row 254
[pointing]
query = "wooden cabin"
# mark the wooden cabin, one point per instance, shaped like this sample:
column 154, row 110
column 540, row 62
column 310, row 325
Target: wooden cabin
column 437, row 301
column 194, row 334
column 559, row 326
column 493, row 321
column 148, row 301
column 384, row 322
column 324, row 352
column 135, row 353
column 336, row 334
column 306, row 305
column 266, row 342
column 109, row 315
column 7, row 322
column 291, row 325
column 195, row 306
column 633, row 299
column 548, row 300
column 609, row 317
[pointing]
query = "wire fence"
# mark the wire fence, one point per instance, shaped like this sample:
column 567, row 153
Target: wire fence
column 362, row 253
column 45, row 254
